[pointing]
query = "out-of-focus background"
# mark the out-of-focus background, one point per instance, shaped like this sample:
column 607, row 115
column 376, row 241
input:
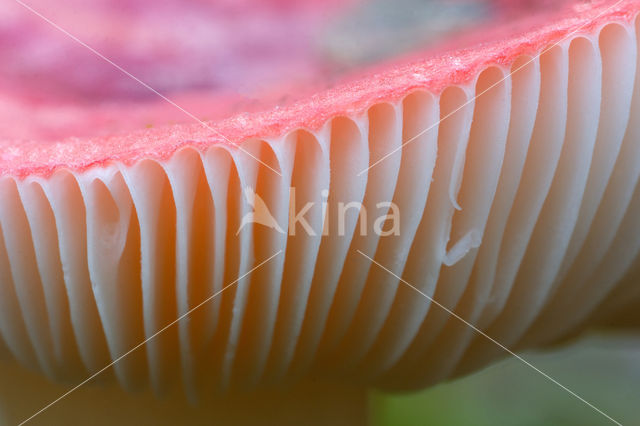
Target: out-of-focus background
column 250, row 47
column 215, row 58
column 604, row 370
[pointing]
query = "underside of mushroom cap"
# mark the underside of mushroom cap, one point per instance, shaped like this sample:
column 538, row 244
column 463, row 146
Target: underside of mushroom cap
column 499, row 182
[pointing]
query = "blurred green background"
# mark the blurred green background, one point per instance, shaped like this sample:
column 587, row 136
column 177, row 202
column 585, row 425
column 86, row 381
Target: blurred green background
column 603, row 370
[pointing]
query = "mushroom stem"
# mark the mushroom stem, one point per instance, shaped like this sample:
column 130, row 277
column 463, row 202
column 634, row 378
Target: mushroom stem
column 23, row 393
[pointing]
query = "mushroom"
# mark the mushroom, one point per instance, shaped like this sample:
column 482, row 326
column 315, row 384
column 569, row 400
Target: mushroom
column 394, row 231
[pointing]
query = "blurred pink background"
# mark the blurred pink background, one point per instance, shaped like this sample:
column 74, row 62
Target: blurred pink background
column 214, row 58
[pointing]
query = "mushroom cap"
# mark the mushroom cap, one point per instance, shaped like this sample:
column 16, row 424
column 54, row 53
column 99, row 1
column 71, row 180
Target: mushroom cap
column 257, row 249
